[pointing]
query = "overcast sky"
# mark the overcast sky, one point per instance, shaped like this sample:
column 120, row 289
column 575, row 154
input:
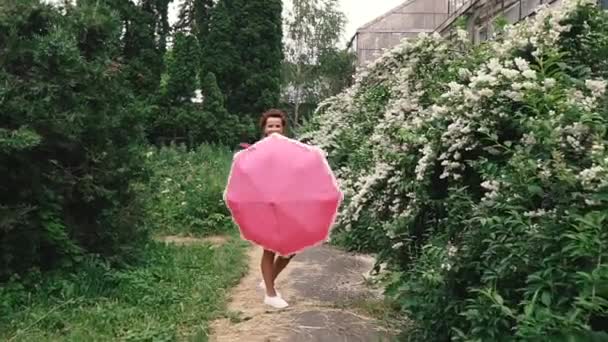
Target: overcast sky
column 358, row 12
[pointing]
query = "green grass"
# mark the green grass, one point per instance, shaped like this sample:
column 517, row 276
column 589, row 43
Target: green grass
column 172, row 295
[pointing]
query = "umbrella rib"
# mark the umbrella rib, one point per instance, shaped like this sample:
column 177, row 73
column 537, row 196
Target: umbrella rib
column 251, row 181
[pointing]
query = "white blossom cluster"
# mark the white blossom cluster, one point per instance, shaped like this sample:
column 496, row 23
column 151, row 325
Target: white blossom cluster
column 412, row 136
column 594, row 177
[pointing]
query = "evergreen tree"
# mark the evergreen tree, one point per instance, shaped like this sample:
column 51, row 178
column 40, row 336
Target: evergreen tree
column 213, row 98
column 181, row 69
column 220, row 54
column 261, row 46
column 194, row 16
column 220, row 126
column 68, row 132
column 177, row 117
column 144, row 58
column 244, row 50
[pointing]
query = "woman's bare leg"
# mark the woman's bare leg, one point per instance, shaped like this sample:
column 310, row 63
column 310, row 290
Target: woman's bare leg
column 268, row 272
column 279, row 265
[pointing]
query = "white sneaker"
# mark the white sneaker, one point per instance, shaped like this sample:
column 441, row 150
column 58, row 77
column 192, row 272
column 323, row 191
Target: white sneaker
column 276, row 302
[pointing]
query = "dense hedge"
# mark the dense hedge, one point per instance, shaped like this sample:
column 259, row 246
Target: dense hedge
column 480, row 174
column 69, row 129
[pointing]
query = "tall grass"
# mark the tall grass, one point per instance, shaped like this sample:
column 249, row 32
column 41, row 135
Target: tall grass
column 184, row 195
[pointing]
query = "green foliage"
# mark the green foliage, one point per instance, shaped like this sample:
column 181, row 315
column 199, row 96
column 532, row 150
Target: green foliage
column 143, row 44
column 171, row 293
column 18, row 140
column 220, row 52
column 500, row 23
column 480, row 175
column 336, row 68
column 181, row 69
column 314, row 68
column 260, row 40
column 462, row 22
column 68, row 128
column 244, row 51
column 194, row 15
column 214, row 100
column 176, row 117
column 184, row 194
column 220, row 126
column 588, row 42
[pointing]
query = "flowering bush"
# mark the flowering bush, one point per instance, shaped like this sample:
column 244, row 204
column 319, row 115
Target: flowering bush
column 480, row 174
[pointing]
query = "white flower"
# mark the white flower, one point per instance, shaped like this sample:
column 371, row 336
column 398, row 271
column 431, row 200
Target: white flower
column 510, row 74
column 549, row 82
column 536, row 213
column 592, row 177
column 592, row 202
column 452, row 250
column 464, row 73
column 491, row 185
column 530, row 85
column 513, row 95
column 462, row 35
column 486, row 92
column 483, row 79
column 494, row 66
column 522, row 64
column 424, row 162
column 529, row 74
column 597, row 87
column 398, row 245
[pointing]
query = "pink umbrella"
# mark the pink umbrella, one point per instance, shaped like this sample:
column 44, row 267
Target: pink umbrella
column 283, row 195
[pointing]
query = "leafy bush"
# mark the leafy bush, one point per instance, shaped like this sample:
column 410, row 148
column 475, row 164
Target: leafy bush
column 480, row 173
column 184, row 194
column 68, row 131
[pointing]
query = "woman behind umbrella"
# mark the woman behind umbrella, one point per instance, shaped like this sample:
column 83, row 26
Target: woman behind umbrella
column 273, row 121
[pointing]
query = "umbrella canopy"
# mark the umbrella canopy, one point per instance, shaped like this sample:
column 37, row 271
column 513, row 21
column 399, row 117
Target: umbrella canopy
column 283, row 195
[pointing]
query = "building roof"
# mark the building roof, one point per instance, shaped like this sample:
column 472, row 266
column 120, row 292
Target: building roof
column 386, row 14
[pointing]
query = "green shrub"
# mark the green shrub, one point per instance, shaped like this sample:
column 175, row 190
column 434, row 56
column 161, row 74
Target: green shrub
column 480, row 173
column 68, row 134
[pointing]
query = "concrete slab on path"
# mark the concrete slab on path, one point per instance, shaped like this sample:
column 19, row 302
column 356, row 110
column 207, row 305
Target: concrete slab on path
column 320, row 285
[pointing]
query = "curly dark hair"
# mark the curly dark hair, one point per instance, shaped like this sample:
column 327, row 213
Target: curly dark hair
column 273, row 113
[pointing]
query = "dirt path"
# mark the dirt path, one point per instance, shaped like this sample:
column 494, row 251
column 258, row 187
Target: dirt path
column 321, row 286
